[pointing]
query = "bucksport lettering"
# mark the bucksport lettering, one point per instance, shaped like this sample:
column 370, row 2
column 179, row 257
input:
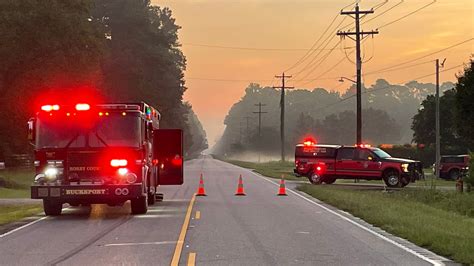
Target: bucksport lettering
column 85, row 191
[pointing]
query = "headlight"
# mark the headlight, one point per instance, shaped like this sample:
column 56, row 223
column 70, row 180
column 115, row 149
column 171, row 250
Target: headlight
column 404, row 167
column 51, row 174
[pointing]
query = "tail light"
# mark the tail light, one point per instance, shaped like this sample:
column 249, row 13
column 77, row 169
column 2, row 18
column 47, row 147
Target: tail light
column 118, row 162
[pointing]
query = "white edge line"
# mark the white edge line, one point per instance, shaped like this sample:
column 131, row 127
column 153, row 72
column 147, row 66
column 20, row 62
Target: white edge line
column 23, row 226
column 26, row 225
column 434, row 262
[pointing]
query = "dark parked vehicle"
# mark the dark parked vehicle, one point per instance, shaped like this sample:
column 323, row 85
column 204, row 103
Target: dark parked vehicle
column 452, row 166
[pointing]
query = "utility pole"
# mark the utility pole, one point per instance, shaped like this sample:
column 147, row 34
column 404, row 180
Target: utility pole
column 359, row 35
column 282, row 113
column 248, row 128
column 260, row 117
column 438, row 138
column 259, row 124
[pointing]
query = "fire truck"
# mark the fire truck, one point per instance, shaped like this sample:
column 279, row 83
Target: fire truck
column 102, row 154
column 327, row 163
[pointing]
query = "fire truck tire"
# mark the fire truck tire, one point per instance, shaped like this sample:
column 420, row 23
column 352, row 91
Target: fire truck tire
column 392, row 179
column 315, row 179
column 139, row 205
column 52, row 207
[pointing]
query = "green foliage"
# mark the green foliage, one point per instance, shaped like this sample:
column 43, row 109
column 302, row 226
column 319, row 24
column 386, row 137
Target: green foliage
column 464, row 118
column 127, row 50
column 424, row 121
column 469, row 179
column 46, row 44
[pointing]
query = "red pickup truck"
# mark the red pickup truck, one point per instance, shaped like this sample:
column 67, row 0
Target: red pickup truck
column 326, row 163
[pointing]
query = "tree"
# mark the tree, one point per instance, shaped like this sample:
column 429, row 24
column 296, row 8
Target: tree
column 423, row 124
column 46, row 45
column 464, row 103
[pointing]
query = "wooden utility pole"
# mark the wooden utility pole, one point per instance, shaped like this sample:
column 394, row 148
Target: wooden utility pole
column 438, row 138
column 359, row 35
column 282, row 113
column 260, row 117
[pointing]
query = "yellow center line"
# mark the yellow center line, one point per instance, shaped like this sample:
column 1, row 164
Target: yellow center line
column 182, row 235
column 198, row 215
column 192, row 259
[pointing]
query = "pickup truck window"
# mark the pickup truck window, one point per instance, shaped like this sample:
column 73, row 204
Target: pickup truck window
column 363, row 155
column 381, row 154
column 345, row 154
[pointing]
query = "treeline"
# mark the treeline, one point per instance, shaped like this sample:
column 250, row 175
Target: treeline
column 126, row 50
column 327, row 116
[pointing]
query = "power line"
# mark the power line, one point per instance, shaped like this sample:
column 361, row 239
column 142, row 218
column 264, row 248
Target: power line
column 311, row 51
column 424, row 56
column 303, row 58
column 383, row 12
column 407, row 15
column 400, row 68
column 248, row 48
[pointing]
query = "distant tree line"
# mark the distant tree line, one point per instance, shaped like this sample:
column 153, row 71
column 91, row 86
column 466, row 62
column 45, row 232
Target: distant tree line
column 327, row 116
column 128, row 50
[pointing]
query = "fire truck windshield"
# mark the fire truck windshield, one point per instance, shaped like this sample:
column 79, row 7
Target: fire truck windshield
column 114, row 130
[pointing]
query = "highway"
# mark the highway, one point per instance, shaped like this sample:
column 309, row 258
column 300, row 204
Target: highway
column 219, row 229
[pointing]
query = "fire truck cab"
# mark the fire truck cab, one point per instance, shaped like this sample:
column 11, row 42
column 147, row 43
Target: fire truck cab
column 102, row 154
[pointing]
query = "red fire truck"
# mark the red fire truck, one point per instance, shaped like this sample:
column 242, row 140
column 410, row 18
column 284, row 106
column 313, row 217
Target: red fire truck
column 102, row 154
column 326, row 163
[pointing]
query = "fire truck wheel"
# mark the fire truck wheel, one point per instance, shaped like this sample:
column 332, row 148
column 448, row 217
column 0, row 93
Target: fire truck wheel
column 392, row 179
column 329, row 181
column 315, row 179
column 139, row 205
column 52, row 207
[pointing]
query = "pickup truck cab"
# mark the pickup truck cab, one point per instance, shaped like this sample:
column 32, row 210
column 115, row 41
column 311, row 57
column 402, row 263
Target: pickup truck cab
column 358, row 162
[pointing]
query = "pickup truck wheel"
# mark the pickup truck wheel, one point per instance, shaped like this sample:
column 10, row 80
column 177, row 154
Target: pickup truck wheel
column 52, row 207
column 454, row 174
column 315, row 179
column 139, row 205
column 392, row 179
column 330, row 180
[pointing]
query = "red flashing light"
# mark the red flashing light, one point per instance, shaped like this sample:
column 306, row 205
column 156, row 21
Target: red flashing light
column 308, row 143
column 118, row 162
column 318, row 168
column 49, row 107
column 83, row 107
column 363, row 145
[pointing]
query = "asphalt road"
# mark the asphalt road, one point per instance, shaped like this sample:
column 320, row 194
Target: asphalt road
column 220, row 229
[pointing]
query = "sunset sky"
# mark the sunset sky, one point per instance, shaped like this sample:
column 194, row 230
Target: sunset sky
column 285, row 29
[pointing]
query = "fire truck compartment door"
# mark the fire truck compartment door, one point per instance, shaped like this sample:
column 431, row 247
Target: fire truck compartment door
column 168, row 154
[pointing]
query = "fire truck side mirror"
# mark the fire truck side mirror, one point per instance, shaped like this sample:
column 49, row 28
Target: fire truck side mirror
column 31, row 130
column 168, row 153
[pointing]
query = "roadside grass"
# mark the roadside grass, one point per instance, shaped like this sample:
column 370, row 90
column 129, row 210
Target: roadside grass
column 273, row 169
column 11, row 213
column 442, row 221
column 15, row 183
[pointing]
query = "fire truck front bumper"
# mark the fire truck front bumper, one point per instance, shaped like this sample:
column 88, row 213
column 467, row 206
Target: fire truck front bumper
column 93, row 193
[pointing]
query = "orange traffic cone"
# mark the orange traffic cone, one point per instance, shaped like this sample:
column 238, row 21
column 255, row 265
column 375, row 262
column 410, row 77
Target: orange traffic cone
column 201, row 191
column 240, row 188
column 282, row 190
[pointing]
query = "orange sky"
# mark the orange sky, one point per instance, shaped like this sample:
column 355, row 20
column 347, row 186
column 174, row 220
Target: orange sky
column 297, row 24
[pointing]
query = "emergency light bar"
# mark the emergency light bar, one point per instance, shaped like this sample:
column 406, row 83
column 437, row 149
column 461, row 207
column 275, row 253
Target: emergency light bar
column 83, row 107
column 49, row 108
